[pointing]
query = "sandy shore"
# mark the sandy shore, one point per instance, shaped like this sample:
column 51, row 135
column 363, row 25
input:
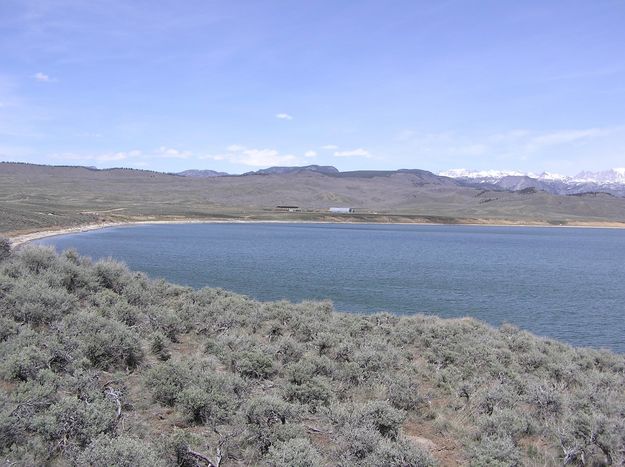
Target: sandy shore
column 21, row 239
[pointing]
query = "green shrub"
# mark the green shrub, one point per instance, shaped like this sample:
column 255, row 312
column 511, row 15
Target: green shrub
column 296, row 452
column 546, row 400
column 74, row 421
column 383, row 417
column 10, row 430
column 125, row 313
column 104, row 342
column 37, row 258
column 403, row 393
column 495, row 451
column 8, row 328
column 363, row 426
column 70, row 331
column 504, row 423
column 33, row 302
column 166, row 381
column 358, row 442
column 288, row 350
column 121, row 451
column 5, row 248
column 398, row 454
column 158, row 346
column 268, row 422
column 253, row 364
column 315, row 392
column 111, row 275
column 25, row 364
column 166, row 321
column 212, row 406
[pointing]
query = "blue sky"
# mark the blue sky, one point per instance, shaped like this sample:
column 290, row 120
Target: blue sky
column 239, row 85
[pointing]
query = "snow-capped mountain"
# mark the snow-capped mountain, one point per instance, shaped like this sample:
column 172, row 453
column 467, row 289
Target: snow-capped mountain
column 609, row 181
column 481, row 174
column 616, row 176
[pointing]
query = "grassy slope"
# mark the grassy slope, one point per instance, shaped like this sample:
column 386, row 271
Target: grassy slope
column 40, row 197
column 101, row 365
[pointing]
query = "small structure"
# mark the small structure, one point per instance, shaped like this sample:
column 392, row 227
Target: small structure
column 342, row 210
column 288, row 208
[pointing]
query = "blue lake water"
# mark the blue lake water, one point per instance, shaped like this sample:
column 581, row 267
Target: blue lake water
column 564, row 283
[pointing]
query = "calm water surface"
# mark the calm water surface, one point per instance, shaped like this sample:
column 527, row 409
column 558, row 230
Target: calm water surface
column 559, row 282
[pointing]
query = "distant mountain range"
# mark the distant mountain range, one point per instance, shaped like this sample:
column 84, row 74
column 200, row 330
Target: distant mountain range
column 318, row 169
column 608, row 181
column 36, row 196
column 202, row 173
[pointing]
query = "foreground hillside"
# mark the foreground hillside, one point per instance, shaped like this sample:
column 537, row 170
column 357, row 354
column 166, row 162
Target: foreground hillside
column 36, row 197
column 103, row 366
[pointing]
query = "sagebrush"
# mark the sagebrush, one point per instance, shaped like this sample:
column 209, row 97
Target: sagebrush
column 104, row 366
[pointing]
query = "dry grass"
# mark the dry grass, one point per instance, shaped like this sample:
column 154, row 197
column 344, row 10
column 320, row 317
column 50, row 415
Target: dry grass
column 36, row 197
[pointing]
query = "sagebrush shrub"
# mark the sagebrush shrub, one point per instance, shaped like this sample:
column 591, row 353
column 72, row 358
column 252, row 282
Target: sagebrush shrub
column 106, row 343
column 120, row 451
column 296, row 452
column 5, row 248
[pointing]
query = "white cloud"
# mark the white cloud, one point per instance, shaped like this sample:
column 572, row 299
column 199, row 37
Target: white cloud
column 264, row 158
column 405, row 135
column 105, row 157
column 330, row 147
column 235, row 148
column 253, row 157
column 283, row 116
column 310, row 154
column 470, row 150
column 39, row 76
column 360, row 152
column 173, row 153
column 566, row 136
column 563, row 150
column 119, row 156
column 217, row 157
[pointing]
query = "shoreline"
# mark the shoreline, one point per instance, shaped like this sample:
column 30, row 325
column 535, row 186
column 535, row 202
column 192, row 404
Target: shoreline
column 22, row 239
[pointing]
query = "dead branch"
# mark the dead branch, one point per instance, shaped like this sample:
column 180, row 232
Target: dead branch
column 204, row 458
column 115, row 397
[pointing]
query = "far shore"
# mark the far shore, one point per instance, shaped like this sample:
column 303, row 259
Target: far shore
column 19, row 239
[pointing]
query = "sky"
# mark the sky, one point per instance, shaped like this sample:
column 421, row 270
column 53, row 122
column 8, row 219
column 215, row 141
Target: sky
column 240, row 85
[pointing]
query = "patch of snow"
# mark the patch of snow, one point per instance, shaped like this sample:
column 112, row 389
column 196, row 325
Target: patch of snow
column 607, row 177
column 483, row 174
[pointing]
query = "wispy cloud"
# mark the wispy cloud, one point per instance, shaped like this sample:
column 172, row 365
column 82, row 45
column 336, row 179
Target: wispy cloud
column 568, row 149
column 476, row 149
column 103, row 157
column 253, row 157
column 284, row 116
column 330, row 147
column 310, row 154
column 119, row 156
column 174, row 153
column 566, row 136
column 360, row 152
column 135, row 155
column 42, row 77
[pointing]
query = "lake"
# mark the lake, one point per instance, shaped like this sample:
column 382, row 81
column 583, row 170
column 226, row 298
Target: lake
column 565, row 283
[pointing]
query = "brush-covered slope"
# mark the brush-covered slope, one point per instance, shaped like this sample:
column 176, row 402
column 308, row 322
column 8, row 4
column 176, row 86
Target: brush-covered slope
column 34, row 197
column 103, row 366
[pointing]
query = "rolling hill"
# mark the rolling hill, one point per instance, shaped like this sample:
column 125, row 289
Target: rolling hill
column 37, row 196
